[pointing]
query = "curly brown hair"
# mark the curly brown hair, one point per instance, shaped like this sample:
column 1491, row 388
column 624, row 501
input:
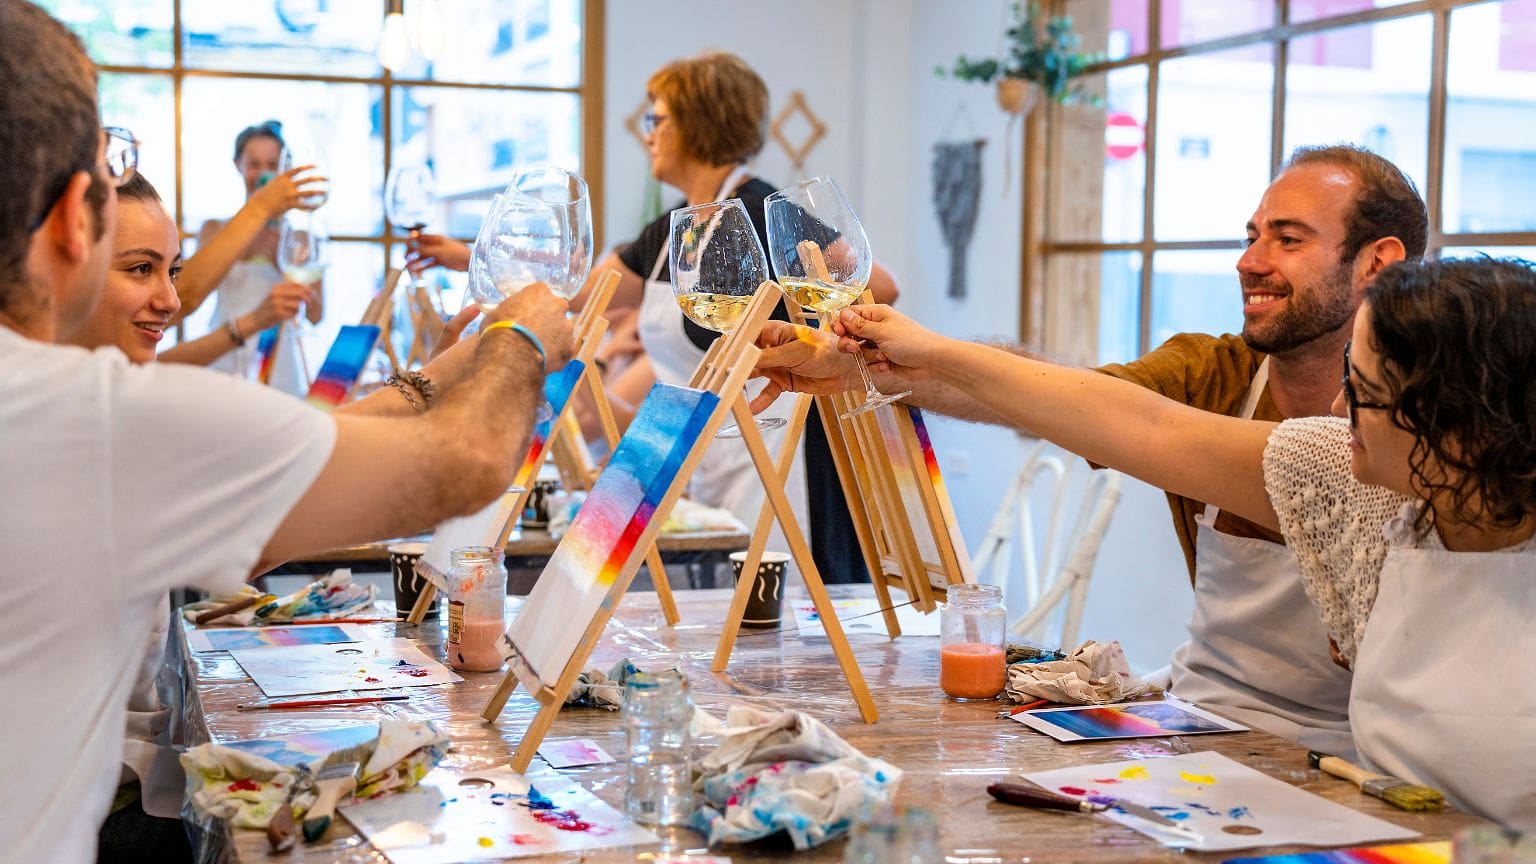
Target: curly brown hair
column 719, row 104
column 1458, row 344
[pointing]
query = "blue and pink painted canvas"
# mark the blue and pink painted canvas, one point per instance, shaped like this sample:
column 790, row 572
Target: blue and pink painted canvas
column 603, row 537
column 343, row 366
column 304, row 748
column 558, row 387
column 1129, row 720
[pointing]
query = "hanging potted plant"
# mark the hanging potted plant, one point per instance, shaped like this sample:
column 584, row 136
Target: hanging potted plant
column 1038, row 60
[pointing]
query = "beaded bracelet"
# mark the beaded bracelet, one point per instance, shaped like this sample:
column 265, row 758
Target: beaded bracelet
column 526, row 334
column 407, row 389
column 422, row 383
column 233, row 329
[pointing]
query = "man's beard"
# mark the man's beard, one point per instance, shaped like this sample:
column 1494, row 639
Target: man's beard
column 1310, row 314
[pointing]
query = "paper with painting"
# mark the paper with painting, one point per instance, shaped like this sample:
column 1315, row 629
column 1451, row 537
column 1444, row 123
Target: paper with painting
column 602, row 547
column 1402, row 853
column 236, row 638
column 1226, row 804
column 1154, row 719
column 373, row 665
column 490, row 816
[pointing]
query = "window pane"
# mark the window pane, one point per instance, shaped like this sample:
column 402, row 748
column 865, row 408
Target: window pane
column 1490, row 125
column 475, row 139
column 1105, row 141
column 119, row 32
column 1190, row 22
column 335, row 124
column 1312, row 10
column 146, row 105
column 1120, row 307
column 1364, row 85
column 501, row 42
column 1116, row 28
column 314, row 37
column 1526, row 252
column 1195, row 292
column 1212, row 164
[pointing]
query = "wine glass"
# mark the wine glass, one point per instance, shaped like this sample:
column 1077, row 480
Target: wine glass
column 717, row 265
column 822, row 258
column 296, row 153
column 540, row 231
column 303, row 247
column 410, row 196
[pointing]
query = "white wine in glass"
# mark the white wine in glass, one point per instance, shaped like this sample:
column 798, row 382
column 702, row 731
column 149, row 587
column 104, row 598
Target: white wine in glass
column 717, row 264
column 822, row 259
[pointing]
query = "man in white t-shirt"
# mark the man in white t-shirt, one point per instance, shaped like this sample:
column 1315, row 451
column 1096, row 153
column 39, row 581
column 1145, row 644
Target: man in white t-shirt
column 119, row 482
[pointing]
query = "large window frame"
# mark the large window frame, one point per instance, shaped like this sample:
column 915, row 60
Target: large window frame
column 589, row 93
column 1052, row 139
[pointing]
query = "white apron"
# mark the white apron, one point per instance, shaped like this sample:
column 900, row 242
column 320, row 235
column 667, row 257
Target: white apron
column 1258, row 650
column 244, row 287
column 1443, row 679
column 725, row 477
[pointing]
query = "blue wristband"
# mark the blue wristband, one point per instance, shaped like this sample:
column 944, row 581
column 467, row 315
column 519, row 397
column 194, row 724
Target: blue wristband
column 526, row 334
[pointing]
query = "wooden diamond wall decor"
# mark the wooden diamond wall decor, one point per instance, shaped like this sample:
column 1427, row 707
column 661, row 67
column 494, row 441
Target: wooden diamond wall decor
column 797, row 154
column 632, row 121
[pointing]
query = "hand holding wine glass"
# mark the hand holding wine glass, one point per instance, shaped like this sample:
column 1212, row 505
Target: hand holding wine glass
column 717, row 264
column 410, row 197
column 303, row 249
column 822, row 258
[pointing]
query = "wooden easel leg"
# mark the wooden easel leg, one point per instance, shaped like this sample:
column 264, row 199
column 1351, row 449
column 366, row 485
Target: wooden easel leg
column 802, row 555
column 844, row 458
column 759, row 540
column 662, row 586
column 423, row 601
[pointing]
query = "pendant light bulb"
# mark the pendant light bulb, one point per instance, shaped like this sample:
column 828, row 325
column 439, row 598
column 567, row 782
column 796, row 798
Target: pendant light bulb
column 429, row 28
column 394, row 43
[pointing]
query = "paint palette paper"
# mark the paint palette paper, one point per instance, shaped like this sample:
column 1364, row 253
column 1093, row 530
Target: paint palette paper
column 237, row 638
column 1126, row 720
column 371, row 665
column 862, row 615
column 571, row 754
column 489, row 816
column 1405, row 853
column 1231, row 806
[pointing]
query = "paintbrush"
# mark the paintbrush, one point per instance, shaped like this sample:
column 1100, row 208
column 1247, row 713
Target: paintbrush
column 281, row 832
column 335, row 778
column 1398, row 793
column 232, row 607
column 1030, row 796
column 320, row 703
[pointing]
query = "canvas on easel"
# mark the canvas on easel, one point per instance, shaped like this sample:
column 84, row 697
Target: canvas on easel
column 599, row 556
column 559, row 387
column 342, row 367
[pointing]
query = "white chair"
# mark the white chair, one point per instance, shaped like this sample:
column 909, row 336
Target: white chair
column 1060, row 568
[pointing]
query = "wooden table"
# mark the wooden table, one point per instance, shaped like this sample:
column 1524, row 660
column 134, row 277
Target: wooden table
column 949, row 751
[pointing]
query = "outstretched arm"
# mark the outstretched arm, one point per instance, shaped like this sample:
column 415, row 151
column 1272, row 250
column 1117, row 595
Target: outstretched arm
column 281, row 305
column 1198, row 454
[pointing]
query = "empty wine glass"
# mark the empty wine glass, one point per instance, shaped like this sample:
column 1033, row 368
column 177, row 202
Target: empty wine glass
column 822, row 258
column 410, row 197
column 298, row 152
column 540, row 231
column 717, row 265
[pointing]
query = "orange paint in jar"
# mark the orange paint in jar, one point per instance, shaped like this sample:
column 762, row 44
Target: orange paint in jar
column 972, row 670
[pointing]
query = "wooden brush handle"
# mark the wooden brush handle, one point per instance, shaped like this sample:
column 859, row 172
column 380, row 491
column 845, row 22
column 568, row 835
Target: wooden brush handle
column 230, row 608
column 281, row 831
column 1341, row 768
column 1030, row 796
column 327, row 794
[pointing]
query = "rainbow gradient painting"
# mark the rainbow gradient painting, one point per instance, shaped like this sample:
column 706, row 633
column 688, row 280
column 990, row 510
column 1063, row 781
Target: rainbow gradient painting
column 1405, row 853
column 1129, row 720
column 930, row 460
column 266, row 353
column 558, row 387
column 576, row 583
column 343, row 365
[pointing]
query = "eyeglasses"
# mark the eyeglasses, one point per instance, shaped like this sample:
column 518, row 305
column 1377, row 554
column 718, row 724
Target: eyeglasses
column 121, row 158
column 1352, row 399
column 650, row 121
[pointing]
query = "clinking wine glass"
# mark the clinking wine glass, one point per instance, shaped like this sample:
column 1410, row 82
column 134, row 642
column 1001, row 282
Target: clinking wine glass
column 717, row 265
column 303, row 250
column 823, row 260
column 410, row 198
column 296, row 153
column 539, row 231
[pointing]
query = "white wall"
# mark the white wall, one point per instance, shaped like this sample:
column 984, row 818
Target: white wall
column 866, row 67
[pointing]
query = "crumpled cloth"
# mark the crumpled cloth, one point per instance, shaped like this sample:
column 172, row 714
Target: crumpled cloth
column 785, row 771
column 1095, row 673
column 246, row 788
column 595, row 688
column 335, row 595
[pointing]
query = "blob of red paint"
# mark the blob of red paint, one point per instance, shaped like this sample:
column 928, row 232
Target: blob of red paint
column 526, row 840
column 568, row 820
column 1073, row 790
column 245, row 784
column 371, row 680
column 1106, row 782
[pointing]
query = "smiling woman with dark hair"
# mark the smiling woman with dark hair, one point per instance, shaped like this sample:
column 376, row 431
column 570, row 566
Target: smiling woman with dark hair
column 1411, row 513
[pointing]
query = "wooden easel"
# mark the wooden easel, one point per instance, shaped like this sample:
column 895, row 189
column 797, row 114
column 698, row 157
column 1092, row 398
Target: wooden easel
column 590, row 327
column 379, row 309
column 723, row 372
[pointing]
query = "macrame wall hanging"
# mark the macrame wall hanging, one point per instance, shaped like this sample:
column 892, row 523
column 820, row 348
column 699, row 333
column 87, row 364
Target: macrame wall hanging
column 956, row 198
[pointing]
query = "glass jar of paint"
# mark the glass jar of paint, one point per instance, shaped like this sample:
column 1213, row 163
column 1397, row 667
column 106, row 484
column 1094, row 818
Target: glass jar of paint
column 477, row 591
column 973, row 638
column 657, row 716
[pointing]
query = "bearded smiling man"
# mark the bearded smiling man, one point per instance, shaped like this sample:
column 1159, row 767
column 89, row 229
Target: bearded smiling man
column 1330, row 221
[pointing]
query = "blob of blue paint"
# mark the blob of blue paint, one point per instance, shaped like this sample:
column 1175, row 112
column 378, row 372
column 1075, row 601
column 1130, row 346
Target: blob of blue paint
column 537, row 800
column 1202, row 808
column 1238, row 813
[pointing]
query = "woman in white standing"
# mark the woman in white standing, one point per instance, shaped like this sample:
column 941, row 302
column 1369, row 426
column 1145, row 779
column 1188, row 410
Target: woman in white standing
column 250, row 278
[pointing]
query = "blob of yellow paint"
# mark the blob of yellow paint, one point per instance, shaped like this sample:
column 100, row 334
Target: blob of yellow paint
column 1135, row 772
column 486, row 841
column 1196, row 778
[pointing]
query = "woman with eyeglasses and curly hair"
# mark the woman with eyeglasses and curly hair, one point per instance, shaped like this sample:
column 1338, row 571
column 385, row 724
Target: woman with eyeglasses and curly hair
column 1411, row 513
